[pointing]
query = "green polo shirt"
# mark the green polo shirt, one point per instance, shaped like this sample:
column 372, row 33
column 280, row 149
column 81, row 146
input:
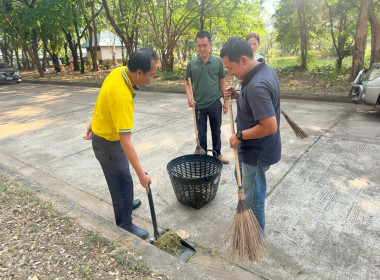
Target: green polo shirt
column 205, row 79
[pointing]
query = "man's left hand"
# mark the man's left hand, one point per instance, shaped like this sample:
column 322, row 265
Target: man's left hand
column 234, row 142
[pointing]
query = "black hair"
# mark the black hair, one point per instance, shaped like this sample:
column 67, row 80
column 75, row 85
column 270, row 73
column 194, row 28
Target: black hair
column 203, row 34
column 253, row 35
column 235, row 48
column 141, row 59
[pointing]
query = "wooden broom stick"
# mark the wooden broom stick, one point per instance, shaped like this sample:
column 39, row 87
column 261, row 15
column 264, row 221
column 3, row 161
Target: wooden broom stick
column 246, row 241
column 198, row 149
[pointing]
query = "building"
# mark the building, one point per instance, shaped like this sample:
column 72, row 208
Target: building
column 109, row 47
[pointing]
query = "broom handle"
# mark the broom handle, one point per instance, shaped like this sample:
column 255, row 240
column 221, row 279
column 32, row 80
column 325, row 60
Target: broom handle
column 195, row 122
column 237, row 165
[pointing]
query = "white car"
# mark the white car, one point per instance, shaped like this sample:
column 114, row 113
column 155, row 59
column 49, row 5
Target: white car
column 366, row 86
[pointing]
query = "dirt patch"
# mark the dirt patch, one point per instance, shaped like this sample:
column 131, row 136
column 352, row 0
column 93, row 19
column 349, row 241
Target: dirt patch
column 289, row 83
column 38, row 242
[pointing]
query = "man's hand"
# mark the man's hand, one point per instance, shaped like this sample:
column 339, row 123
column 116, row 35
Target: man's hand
column 145, row 181
column 230, row 92
column 88, row 135
column 234, row 142
column 191, row 102
column 225, row 107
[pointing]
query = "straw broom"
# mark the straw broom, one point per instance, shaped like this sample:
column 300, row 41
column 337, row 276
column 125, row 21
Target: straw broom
column 198, row 149
column 297, row 130
column 246, row 241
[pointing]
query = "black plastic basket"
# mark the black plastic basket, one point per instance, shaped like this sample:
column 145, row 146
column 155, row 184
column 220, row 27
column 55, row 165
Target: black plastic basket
column 195, row 178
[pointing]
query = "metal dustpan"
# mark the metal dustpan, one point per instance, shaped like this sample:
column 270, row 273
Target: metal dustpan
column 187, row 252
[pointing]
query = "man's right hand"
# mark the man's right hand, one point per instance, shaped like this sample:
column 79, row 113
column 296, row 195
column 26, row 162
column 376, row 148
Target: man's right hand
column 88, row 134
column 230, row 92
column 145, row 181
column 191, row 102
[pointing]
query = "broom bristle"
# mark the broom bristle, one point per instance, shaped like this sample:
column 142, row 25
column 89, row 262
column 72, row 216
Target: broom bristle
column 246, row 241
column 199, row 151
column 297, row 130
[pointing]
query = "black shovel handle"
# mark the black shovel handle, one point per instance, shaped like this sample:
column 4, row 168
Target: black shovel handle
column 152, row 213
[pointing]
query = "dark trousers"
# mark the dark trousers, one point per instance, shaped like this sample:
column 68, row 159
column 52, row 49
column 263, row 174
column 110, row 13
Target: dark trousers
column 214, row 114
column 115, row 167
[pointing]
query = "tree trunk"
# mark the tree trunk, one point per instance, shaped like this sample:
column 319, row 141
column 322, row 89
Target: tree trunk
column 4, row 50
column 73, row 48
column 95, row 53
column 360, row 38
column 375, row 34
column 80, row 48
column 202, row 16
column 35, row 57
column 90, row 33
column 303, row 38
column 25, row 58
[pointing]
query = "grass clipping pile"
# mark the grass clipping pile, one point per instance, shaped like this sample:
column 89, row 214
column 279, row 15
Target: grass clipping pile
column 38, row 242
column 170, row 242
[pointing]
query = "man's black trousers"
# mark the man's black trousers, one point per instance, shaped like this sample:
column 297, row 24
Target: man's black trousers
column 115, row 167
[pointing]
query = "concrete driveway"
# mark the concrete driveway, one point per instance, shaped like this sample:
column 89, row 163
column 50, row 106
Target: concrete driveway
column 323, row 199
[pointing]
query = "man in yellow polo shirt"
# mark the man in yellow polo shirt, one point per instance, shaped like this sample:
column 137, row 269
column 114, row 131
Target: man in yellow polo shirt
column 110, row 131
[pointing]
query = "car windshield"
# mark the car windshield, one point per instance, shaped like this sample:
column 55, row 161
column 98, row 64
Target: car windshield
column 4, row 65
column 374, row 72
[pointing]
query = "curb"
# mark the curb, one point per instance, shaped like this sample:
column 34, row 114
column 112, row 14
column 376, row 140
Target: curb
column 158, row 261
column 285, row 95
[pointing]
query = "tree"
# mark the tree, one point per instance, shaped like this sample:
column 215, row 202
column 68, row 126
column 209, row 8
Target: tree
column 124, row 16
column 360, row 39
column 341, row 22
column 93, row 34
column 375, row 33
column 21, row 17
column 169, row 20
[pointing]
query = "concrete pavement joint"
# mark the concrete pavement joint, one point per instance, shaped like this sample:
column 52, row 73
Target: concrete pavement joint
column 292, row 167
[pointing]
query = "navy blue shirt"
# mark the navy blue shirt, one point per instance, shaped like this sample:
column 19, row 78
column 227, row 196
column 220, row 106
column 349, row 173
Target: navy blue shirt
column 259, row 99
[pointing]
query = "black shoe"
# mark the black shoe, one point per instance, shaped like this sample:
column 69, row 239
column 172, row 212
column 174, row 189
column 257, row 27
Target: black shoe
column 136, row 204
column 142, row 233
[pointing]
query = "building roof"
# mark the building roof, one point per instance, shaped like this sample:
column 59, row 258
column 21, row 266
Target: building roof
column 105, row 39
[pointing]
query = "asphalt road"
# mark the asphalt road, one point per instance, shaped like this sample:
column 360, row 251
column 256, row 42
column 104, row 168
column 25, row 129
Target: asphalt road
column 323, row 199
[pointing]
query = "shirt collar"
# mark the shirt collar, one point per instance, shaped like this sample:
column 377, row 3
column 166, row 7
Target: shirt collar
column 128, row 82
column 201, row 60
column 252, row 72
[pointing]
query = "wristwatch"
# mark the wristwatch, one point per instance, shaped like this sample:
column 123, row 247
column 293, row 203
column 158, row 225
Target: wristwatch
column 239, row 135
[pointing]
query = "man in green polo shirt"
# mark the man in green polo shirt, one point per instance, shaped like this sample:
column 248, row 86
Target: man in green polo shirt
column 209, row 81
column 111, row 129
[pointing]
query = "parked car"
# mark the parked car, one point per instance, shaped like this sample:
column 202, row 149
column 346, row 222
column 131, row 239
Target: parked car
column 366, row 86
column 8, row 74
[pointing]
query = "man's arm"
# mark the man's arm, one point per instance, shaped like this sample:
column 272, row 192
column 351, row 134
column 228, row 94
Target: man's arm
column 190, row 99
column 222, row 87
column 130, row 152
column 265, row 127
column 88, row 134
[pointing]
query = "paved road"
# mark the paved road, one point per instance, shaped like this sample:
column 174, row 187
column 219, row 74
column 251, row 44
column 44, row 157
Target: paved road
column 323, row 200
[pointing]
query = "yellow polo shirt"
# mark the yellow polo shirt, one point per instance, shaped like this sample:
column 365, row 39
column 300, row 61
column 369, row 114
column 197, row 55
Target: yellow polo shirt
column 114, row 106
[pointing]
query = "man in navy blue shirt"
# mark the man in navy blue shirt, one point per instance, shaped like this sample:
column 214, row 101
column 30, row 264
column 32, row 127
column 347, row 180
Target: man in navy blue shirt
column 258, row 120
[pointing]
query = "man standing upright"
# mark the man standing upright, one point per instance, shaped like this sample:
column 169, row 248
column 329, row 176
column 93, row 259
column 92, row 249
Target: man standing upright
column 111, row 130
column 209, row 80
column 258, row 120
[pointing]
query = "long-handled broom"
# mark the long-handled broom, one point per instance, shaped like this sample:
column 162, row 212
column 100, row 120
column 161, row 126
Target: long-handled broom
column 246, row 241
column 297, row 130
column 198, row 150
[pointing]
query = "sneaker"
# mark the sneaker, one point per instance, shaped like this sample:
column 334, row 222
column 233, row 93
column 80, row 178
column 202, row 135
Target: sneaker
column 142, row 233
column 223, row 159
